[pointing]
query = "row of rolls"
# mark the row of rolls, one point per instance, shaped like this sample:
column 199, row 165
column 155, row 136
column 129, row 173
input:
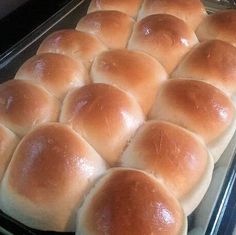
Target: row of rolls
column 114, row 127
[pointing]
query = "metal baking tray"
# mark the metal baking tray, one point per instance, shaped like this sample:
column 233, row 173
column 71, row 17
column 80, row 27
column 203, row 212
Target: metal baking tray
column 206, row 219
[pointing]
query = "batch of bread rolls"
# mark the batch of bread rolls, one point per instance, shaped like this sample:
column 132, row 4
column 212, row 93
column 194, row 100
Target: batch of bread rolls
column 113, row 128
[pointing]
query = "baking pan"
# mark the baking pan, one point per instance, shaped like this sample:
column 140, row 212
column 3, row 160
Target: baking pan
column 206, row 219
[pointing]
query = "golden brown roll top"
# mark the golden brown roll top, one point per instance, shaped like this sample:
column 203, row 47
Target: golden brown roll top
column 192, row 12
column 51, row 170
column 24, row 105
column 220, row 25
column 8, row 142
column 126, row 202
column 164, row 37
column 136, row 72
column 55, row 72
column 113, row 28
column 104, row 115
column 78, row 45
column 175, row 156
column 130, row 7
column 213, row 61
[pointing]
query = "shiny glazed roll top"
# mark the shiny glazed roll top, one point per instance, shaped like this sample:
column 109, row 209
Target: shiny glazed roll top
column 104, row 115
column 192, row 12
column 136, row 72
column 78, row 45
column 48, row 176
column 164, row 37
column 175, row 156
column 128, row 202
column 113, row 28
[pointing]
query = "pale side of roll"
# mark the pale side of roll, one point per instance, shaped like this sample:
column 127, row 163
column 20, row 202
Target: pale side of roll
column 78, row 45
column 24, row 105
column 48, row 176
column 113, row 28
column 133, row 71
column 128, row 201
column 163, row 36
column 105, row 116
column 192, row 12
column 175, row 156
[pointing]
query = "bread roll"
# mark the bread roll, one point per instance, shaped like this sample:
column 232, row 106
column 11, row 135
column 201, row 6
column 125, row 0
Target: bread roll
column 220, row 25
column 51, row 170
column 24, row 105
column 130, row 7
column 8, row 142
column 192, row 12
column 136, row 72
column 213, row 61
column 198, row 107
column 78, row 45
column 113, row 28
column 175, row 156
column 127, row 201
column 57, row 73
column 164, row 37
column 104, row 115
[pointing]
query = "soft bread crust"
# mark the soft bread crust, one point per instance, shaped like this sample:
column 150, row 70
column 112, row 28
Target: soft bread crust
column 220, row 25
column 8, row 142
column 55, row 72
column 192, row 12
column 128, row 201
column 175, row 156
column 130, row 7
column 50, row 171
column 136, row 72
column 104, row 115
column 113, row 28
column 195, row 105
column 213, row 61
column 24, row 105
column 164, row 37
column 78, row 45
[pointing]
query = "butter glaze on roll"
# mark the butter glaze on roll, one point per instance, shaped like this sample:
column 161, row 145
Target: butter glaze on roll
column 105, row 116
column 113, row 28
column 192, row 12
column 24, row 105
column 198, row 107
column 50, row 172
column 175, row 156
column 136, row 72
column 164, row 37
column 127, row 201
column 129, row 7
column 220, row 25
column 78, row 45
column 56, row 73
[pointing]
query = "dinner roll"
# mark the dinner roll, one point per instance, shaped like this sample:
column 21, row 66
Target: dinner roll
column 213, row 61
column 176, row 156
column 220, row 25
column 127, row 201
column 135, row 72
column 113, row 28
column 104, row 115
column 75, row 44
column 164, row 37
column 51, row 170
column 8, row 142
column 57, row 73
column 24, row 105
column 192, row 12
column 198, row 107
column 130, row 7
